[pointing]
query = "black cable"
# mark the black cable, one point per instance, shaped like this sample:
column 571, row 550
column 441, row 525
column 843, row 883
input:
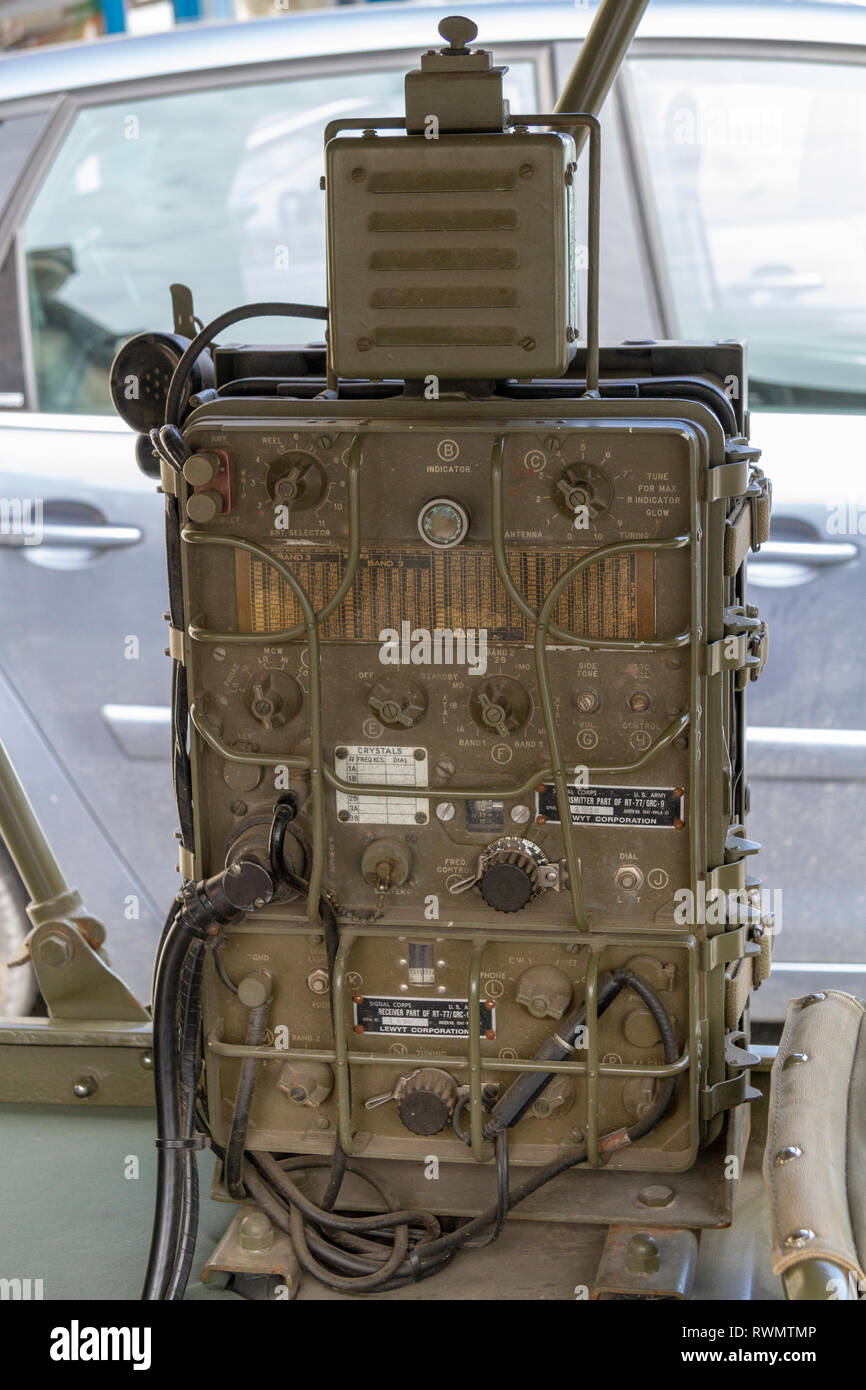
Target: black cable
column 167, row 1212
column 203, row 339
column 248, row 1076
column 189, row 1070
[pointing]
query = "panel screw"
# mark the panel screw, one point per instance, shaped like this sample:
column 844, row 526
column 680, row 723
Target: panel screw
column 358, row 175
column 526, row 171
column 420, row 818
column 520, row 814
column 342, row 815
column 445, row 811
column 528, row 344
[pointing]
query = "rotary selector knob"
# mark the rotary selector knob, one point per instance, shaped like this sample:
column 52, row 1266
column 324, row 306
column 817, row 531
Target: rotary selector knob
column 398, row 704
column 427, row 1100
column 274, row 698
column 296, row 480
column 582, row 485
column 501, row 706
column 510, row 877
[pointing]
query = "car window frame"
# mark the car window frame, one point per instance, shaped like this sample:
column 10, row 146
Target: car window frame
column 64, row 109
column 766, row 50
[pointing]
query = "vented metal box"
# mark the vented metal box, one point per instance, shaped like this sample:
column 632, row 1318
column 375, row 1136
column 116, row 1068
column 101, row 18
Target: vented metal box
column 451, row 257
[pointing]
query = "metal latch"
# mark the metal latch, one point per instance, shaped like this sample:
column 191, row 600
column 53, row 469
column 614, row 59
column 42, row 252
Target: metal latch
column 743, row 648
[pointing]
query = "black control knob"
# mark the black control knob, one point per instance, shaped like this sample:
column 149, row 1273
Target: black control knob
column 427, row 1100
column 511, row 875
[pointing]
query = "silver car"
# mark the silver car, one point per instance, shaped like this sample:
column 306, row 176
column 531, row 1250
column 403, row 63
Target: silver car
column 734, row 195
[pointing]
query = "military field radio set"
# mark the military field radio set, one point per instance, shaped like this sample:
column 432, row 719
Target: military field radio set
column 461, row 649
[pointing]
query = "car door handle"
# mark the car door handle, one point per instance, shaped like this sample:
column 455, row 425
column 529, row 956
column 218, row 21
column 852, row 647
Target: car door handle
column 815, row 554
column 77, row 535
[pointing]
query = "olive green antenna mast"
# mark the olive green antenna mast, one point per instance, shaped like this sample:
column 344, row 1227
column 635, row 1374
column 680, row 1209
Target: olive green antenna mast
column 600, row 58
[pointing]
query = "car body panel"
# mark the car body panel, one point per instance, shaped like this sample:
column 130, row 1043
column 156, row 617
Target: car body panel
column 110, row 733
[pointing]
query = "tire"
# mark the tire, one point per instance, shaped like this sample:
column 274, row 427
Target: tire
column 18, row 989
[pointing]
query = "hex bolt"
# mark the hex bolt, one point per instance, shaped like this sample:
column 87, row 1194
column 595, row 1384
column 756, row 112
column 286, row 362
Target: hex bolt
column 657, row 1195
column 318, row 981
column 56, row 949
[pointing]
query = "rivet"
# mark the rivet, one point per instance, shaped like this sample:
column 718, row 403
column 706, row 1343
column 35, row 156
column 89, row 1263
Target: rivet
column 815, row 998
column 798, row 1239
column 794, row 1059
column 785, row 1155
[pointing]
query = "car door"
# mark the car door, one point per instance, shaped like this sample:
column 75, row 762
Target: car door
column 755, row 179
column 212, row 182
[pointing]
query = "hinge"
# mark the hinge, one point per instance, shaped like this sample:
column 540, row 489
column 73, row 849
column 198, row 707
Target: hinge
column 175, row 644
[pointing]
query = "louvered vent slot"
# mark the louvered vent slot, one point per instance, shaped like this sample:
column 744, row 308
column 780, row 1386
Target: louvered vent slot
column 444, row 203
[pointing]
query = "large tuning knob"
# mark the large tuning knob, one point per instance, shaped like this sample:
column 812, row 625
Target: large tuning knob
column 511, row 874
column 427, row 1100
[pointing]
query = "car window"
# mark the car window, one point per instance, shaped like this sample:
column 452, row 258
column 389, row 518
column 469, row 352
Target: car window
column 217, row 189
column 758, row 171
